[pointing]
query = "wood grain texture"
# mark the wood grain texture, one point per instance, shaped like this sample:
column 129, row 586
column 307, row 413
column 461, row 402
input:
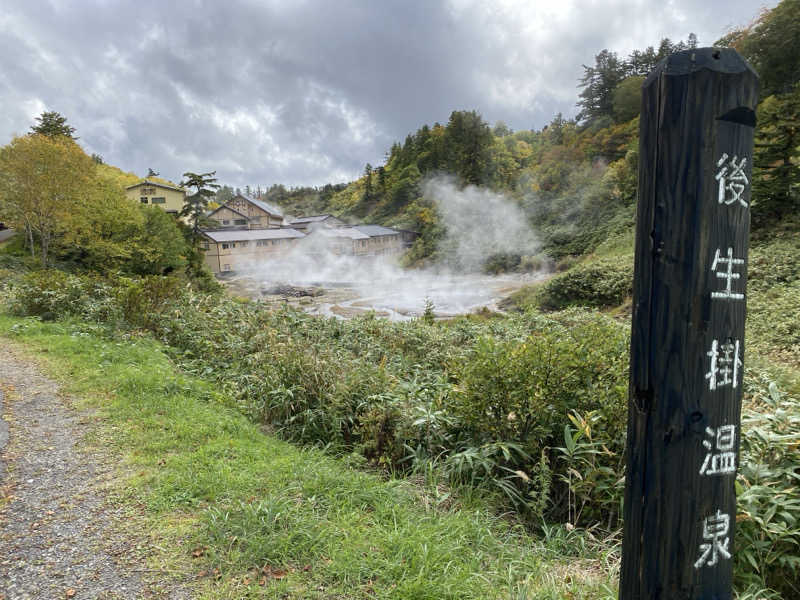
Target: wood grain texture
column 696, row 105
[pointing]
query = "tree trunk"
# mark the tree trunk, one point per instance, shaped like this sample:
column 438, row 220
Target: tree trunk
column 45, row 247
column 29, row 239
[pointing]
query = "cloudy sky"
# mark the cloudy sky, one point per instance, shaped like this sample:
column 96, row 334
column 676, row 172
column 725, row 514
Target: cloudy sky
column 306, row 92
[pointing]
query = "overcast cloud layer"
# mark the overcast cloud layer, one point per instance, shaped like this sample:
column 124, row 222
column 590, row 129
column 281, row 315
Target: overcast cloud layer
column 305, row 93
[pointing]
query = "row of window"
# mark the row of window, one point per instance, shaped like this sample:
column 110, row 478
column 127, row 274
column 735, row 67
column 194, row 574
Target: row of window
column 143, row 200
column 235, row 222
column 244, row 244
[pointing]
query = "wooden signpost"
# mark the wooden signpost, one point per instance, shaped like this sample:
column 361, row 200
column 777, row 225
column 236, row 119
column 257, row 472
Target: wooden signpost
column 687, row 345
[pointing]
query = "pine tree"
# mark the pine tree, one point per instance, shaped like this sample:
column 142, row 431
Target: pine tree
column 196, row 204
column 598, row 82
column 53, row 124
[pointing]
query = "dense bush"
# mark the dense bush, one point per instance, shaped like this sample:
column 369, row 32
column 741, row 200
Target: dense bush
column 530, row 408
column 50, row 294
column 601, row 283
column 485, row 401
column 523, row 393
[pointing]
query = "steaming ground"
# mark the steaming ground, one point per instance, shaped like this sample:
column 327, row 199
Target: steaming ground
column 377, row 284
column 479, row 223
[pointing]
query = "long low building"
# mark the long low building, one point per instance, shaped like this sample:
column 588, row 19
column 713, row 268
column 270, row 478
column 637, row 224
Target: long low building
column 246, row 235
column 240, row 250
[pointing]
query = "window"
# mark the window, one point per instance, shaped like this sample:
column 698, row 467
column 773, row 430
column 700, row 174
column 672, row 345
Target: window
column 235, row 222
column 225, row 246
column 160, row 200
column 148, row 191
column 143, row 200
column 243, row 244
column 226, row 221
column 205, row 245
column 226, row 267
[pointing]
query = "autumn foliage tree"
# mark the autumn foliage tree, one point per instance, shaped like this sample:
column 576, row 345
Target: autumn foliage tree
column 73, row 209
column 43, row 181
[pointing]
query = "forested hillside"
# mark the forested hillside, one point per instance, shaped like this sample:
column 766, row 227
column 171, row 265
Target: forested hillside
column 575, row 178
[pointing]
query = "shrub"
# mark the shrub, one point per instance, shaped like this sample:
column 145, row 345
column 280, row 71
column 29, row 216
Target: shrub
column 522, row 392
column 768, row 495
column 143, row 301
column 602, row 283
column 51, row 294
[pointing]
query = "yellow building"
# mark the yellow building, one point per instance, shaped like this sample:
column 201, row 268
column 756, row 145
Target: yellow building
column 167, row 197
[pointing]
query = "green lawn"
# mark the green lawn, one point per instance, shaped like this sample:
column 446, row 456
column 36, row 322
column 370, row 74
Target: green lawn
column 268, row 520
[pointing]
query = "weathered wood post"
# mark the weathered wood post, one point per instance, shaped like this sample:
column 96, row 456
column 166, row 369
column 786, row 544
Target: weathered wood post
column 687, row 344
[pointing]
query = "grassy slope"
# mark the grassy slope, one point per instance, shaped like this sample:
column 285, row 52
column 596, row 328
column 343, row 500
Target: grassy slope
column 201, row 476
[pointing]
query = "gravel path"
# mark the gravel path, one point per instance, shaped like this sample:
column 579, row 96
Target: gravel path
column 57, row 534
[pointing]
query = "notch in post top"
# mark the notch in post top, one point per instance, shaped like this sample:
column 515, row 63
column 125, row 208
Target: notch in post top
column 721, row 60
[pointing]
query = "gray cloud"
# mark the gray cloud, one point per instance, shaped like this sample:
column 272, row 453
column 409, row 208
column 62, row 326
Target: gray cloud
column 302, row 92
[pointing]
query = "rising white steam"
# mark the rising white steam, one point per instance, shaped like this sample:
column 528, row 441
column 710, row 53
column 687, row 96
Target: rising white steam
column 480, row 223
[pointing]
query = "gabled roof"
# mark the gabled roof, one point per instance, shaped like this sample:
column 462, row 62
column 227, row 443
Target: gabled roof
column 230, row 208
column 265, row 206
column 312, row 219
column 375, row 230
column 243, row 235
column 156, row 184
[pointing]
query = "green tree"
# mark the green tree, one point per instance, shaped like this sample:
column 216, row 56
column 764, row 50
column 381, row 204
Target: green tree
column 776, row 158
column 53, row 124
column 468, row 140
column 196, row 204
column 224, row 194
column 627, row 100
column 160, row 246
column 772, row 46
column 102, row 229
column 598, row 83
column 368, row 191
column 43, row 181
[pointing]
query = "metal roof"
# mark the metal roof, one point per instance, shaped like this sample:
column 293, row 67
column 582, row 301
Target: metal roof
column 375, row 230
column 252, row 234
column 157, row 184
column 312, row 219
column 345, row 232
column 265, row 206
